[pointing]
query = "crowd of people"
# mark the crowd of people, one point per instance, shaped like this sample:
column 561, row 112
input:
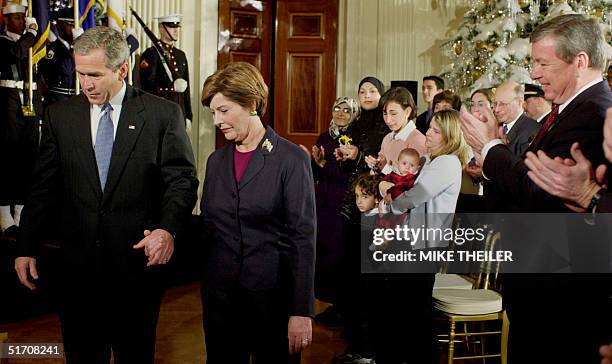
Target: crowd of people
column 519, row 148
column 282, row 223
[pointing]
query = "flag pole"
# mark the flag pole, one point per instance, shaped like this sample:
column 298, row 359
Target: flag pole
column 126, row 20
column 28, row 110
column 77, row 25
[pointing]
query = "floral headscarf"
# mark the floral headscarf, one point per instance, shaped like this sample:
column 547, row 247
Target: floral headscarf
column 335, row 130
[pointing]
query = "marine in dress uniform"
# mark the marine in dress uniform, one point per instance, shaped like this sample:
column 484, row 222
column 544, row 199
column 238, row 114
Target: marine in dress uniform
column 154, row 77
column 18, row 133
column 57, row 68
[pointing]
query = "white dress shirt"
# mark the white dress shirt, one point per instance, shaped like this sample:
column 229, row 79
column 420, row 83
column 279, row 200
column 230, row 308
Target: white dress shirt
column 511, row 124
column 95, row 112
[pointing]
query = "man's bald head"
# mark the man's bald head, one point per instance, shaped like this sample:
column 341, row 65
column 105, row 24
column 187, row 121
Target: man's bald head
column 508, row 103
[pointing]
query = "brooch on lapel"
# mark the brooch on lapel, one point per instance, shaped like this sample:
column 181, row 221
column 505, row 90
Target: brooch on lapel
column 267, row 145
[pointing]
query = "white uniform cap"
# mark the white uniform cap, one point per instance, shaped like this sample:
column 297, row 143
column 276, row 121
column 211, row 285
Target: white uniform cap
column 13, row 8
column 170, row 20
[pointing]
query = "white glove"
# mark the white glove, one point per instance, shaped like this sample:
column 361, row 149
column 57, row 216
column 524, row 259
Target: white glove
column 77, row 32
column 31, row 21
column 31, row 25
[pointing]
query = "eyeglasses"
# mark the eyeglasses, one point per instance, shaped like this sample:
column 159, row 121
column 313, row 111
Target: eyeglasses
column 344, row 110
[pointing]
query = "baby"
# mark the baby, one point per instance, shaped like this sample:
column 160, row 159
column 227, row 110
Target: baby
column 408, row 165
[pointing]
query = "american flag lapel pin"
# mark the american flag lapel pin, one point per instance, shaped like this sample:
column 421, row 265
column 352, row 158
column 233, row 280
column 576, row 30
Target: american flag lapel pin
column 132, row 127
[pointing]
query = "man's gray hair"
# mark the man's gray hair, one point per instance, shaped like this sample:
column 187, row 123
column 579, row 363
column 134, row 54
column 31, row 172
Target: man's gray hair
column 110, row 40
column 574, row 33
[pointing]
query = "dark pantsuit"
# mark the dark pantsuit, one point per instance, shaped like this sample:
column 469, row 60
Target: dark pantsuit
column 264, row 314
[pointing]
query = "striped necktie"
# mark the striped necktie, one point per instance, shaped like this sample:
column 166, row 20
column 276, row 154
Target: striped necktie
column 104, row 143
column 544, row 129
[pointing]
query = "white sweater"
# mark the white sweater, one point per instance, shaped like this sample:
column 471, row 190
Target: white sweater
column 436, row 189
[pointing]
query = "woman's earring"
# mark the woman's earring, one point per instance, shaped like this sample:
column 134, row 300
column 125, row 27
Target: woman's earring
column 253, row 113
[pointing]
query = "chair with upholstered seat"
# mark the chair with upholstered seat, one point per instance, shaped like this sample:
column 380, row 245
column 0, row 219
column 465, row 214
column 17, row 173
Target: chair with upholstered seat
column 469, row 317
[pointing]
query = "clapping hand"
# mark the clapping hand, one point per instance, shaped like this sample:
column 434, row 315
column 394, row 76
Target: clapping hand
column 479, row 131
column 318, row 155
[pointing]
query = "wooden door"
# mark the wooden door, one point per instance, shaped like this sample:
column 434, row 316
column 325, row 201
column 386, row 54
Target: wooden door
column 305, row 68
column 245, row 34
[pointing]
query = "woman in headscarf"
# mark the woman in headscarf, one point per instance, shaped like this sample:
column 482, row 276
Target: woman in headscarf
column 331, row 184
column 367, row 133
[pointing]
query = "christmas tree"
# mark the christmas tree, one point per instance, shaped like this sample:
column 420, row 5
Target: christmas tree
column 492, row 43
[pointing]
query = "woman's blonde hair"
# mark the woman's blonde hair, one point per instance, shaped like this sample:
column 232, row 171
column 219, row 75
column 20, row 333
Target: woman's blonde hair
column 240, row 82
column 450, row 128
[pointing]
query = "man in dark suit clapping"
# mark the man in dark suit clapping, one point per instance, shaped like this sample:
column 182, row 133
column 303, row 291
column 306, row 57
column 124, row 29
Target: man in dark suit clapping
column 518, row 130
column 116, row 165
column 571, row 311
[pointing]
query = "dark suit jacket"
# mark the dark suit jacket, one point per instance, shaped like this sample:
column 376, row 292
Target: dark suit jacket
column 581, row 121
column 422, row 123
column 151, row 182
column 519, row 138
column 264, row 227
column 521, row 134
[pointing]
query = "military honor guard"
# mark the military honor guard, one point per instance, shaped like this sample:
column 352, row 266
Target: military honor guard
column 18, row 131
column 163, row 70
column 57, row 71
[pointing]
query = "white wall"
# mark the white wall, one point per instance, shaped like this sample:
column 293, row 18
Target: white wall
column 393, row 40
column 198, row 39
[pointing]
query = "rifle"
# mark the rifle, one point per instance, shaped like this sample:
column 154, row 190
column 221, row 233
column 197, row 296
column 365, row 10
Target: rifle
column 180, row 85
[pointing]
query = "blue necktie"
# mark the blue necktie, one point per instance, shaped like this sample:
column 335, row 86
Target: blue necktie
column 505, row 129
column 104, row 143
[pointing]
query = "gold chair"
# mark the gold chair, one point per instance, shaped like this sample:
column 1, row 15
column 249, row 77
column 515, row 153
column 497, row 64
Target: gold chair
column 477, row 313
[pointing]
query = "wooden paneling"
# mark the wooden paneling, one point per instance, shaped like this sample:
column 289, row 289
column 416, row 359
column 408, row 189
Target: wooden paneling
column 253, row 58
column 304, row 90
column 245, row 34
column 306, row 26
column 305, row 68
column 245, row 24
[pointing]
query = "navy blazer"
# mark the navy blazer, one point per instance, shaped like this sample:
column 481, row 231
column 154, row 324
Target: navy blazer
column 262, row 230
column 581, row 121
